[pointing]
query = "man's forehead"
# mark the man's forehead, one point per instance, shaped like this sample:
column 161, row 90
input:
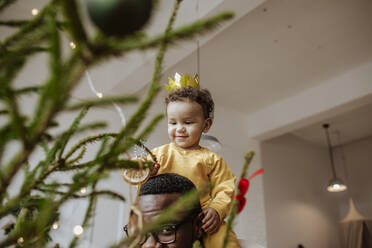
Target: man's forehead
column 157, row 203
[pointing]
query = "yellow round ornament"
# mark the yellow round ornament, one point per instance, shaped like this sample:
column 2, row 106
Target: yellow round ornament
column 135, row 176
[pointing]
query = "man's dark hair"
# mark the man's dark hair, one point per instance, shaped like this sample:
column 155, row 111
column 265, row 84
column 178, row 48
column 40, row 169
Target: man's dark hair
column 203, row 97
column 169, row 183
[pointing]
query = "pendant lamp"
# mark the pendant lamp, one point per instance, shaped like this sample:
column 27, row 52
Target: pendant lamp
column 335, row 184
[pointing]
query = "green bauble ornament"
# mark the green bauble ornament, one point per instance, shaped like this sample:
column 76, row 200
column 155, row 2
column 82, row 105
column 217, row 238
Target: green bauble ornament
column 119, row 17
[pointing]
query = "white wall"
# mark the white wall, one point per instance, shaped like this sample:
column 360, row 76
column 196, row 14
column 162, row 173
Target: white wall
column 357, row 171
column 298, row 208
column 343, row 93
column 229, row 127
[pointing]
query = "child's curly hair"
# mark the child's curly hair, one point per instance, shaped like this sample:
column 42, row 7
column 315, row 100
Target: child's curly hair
column 202, row 96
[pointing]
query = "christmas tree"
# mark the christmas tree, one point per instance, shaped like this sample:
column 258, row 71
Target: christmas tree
column 36, row 204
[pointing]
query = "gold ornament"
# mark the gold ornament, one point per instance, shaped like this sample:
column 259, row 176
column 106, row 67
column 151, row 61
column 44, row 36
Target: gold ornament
column 20, row 241
column 181, row 82
column 136, row 176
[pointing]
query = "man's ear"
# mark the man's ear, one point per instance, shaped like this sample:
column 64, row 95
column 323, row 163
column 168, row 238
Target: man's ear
column 207, row 125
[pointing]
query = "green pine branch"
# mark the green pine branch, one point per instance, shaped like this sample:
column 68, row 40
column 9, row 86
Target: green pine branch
column 75, row 26
column 78, row 157
column 113, row 164
column 20, row 23
column 83, row 128
column 103, row 102
column 234, row 207
column 4, row 112
column 182, row 33
column 108, row 193
column 86, row 141
column 27, row 90
column 37, row 203
column 13, row 23
column 5, row 3
column 29, row 27
column 88, row 214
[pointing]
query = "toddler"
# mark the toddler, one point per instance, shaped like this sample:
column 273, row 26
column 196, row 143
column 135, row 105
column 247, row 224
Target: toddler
column 189, row 112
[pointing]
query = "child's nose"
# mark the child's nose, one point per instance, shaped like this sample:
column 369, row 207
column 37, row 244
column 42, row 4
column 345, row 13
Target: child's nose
column 180, row 128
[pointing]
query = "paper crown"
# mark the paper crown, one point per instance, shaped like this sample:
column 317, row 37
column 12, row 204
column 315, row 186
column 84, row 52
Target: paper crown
column 181, row 82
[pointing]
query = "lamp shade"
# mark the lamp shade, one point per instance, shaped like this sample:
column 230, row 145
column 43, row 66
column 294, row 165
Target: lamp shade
column 336, row 185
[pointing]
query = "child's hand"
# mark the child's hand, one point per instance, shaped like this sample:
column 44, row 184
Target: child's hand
column 154, row 169
column 211, row 221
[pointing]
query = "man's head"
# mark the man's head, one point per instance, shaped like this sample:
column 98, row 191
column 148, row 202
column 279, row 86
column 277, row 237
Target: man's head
column 157, row 194
column 189, row 114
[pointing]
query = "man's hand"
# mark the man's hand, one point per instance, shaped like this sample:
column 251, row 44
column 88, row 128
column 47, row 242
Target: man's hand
column 154, row 169
column 211, row 221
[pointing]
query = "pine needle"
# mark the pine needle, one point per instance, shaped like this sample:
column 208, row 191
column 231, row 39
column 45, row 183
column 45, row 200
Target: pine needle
column 103, row 102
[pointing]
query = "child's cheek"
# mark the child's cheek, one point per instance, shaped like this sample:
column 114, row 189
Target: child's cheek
column 170, row 131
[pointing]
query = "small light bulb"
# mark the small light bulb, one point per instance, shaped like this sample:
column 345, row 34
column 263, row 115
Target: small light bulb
column 99, row 94
column 55, row 225
column 34, row 11
column 336, row 186
column 78, row 230
column 20, row 240
column 72, row 45
column 83, row 190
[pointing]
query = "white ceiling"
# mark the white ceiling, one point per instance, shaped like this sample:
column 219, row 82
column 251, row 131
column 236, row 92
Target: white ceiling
column 133, row 71
column 344, row 129
column 282, row 48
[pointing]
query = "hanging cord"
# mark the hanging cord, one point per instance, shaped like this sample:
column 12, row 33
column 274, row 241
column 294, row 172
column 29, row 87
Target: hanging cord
column 197, row 43
column 326, row 126
column 100, row 95
column 343, row 157
column 198, row 58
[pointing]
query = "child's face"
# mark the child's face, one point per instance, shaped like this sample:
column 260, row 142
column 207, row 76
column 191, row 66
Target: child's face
column 186, row 123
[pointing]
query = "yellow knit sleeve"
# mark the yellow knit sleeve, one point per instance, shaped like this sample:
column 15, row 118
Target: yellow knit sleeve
column 159, row 152
column 223, row 181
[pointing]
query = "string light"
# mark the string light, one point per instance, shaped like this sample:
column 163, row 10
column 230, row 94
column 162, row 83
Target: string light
column 78, row 230
column 100, row 95
column 72, row 45
column 20, row 241
column 34, row 11
column 83, row 190
column 55, row 225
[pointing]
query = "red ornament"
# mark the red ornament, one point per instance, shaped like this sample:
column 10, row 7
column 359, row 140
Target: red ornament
column 241, row 202
column 243, row 186
column 243, row 189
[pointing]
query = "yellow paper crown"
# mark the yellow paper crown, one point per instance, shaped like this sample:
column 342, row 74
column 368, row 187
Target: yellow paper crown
column 181, row 82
